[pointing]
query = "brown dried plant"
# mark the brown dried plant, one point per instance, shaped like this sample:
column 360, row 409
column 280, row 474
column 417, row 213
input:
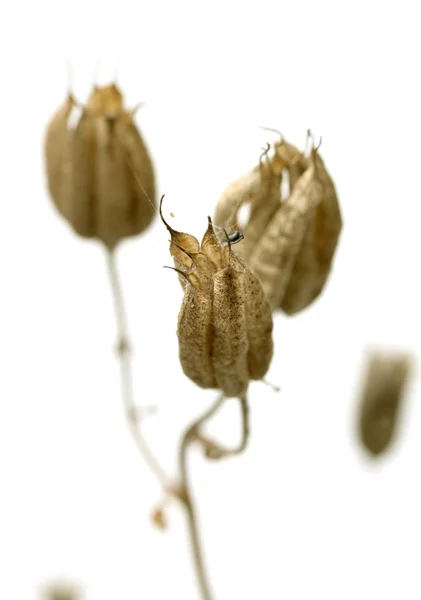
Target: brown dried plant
column 385, row 381
column 101, row 180
column 225, row 323
column 289, row 243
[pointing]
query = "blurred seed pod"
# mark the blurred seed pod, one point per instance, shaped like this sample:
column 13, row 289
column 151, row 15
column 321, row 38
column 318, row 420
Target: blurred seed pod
column 381, row 399
column 318, row 245
column 274, row 257
column 61, row 591
column 225, row 322
column 99, row 172
column 289, row 244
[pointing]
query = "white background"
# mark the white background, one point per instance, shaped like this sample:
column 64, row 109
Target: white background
column 304, row 513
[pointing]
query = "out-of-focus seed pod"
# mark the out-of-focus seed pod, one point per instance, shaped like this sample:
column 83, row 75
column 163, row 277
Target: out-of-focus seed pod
column 290, row 243
column 61, row 591
column 315, row 256
column 99, row 173
column 274, row 257
column 381, row 399
column 225, row 322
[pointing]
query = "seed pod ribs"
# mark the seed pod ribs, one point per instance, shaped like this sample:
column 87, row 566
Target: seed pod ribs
column 225, row 322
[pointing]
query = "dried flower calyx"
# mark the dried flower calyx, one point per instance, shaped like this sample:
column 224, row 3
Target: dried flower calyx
column 225, row 323
column 99, row 173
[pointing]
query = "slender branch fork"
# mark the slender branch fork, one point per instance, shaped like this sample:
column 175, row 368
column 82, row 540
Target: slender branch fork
column 192, row 433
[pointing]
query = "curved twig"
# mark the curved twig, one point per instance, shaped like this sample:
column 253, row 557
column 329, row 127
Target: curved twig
column 189, row 436
column 215, row 451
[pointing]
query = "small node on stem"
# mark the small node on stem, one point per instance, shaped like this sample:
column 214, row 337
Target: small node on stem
column 211, row 449
column 123, row 347
column 176, row 490
column 137, row 414
column 159, row 518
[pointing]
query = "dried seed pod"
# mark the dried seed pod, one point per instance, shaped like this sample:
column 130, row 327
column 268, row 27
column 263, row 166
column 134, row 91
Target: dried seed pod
column 274, row 257
column 314, row 259
column 288, row 244
column 286, row 159
column 225, row 322
column 99, row 173
column 381, row 399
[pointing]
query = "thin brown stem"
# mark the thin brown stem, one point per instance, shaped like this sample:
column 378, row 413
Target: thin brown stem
column 123, row 347
column 215, row 451
column 189, row 436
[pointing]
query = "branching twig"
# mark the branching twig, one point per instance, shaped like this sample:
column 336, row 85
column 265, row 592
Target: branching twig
column 190, row 435
column 123, row 348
